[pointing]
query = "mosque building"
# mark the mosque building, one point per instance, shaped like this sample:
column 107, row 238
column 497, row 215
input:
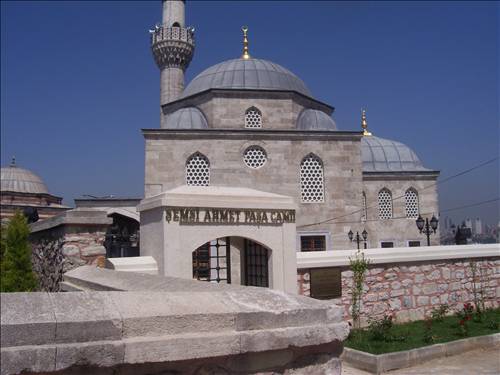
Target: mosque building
column 249, row 130
column 246, row 169
column 23, row 190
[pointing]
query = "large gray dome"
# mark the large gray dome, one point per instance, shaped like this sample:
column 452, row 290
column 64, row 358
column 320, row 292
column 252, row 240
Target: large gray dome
column 250, row 74
column 21, row 180
column 384, row 155
column 186, row 118
column 313, row 119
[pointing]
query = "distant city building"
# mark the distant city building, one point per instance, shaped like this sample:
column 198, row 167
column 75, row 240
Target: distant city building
column 468, row 223
column 23, row 190
column 478, row 227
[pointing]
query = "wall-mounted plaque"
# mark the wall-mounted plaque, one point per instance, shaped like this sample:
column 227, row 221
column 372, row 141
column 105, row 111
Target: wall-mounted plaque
column 326, row 283
column 228, row 216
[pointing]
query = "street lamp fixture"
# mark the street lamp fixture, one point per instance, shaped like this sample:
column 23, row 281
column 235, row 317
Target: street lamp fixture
column 426, row 227
column 358, row 238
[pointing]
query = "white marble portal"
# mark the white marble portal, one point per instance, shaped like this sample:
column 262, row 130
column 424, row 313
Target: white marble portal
column 176, row 222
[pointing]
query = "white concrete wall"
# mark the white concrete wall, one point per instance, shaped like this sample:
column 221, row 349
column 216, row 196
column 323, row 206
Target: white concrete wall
column 172, row 244
column 340, row 258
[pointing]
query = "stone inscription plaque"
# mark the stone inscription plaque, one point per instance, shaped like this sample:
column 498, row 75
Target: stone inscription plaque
column 326, row 283
column 228, row 216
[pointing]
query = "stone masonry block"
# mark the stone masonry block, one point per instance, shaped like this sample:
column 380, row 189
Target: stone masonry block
column 85, row 316
column 38, row 359
column 102, row 354
column 93, row 250
column 32, row 323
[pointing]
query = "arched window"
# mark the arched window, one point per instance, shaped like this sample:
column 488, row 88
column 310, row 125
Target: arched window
column 384, row 204
column 311, row 179
column 253, row 118
column 364, row 212
column 198, row 170
column 176, row 24
column 411, row 203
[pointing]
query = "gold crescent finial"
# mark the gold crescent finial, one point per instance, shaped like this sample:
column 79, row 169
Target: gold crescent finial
column 245, row 55
column 364, row 123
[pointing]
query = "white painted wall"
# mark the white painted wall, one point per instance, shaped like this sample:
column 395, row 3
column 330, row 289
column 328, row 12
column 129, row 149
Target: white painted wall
column 339, row 258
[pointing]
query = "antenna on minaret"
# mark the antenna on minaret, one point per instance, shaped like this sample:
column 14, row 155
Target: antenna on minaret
column 245, row 55
column 13, row 162
column 364, row 123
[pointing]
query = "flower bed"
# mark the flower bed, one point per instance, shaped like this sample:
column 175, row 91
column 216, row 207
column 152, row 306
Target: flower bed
column 383, row 336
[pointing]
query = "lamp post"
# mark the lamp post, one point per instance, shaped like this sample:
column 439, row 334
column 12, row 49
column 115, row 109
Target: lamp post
column 358, row 238
column 427, row 227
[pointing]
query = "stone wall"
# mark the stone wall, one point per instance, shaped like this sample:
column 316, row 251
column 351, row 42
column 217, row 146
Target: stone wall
column 401, row 229
column 410, row 291
column 166, row 155
column 66, row 241
column 165, row 326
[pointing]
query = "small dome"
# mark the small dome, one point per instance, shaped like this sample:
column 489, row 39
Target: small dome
column 250, row 74
column 384, row 155
column 312, row 119
column 186, row 118
column 21, row 180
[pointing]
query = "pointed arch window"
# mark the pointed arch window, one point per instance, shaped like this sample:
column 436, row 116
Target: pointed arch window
column 312, row 180
column 364, row 212
column 253, row 118
column 411, row 203
column 385, row 204
column 197, row 170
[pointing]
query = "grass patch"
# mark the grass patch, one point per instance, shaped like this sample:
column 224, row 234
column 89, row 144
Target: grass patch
column 413, row 335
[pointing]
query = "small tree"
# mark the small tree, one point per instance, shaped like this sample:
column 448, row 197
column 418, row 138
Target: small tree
column 16, row 271
column 359, row 265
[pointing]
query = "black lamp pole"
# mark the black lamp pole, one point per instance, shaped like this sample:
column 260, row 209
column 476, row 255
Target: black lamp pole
column 358, row 238
column 427, row 227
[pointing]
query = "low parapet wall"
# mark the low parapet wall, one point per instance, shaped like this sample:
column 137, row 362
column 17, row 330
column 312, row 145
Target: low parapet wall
column 198, row 328
column 409, row 282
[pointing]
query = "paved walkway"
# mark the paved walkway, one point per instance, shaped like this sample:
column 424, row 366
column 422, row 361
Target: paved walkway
column 476, row 362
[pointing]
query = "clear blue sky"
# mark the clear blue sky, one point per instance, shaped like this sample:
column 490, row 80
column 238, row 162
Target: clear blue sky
column 78, row 82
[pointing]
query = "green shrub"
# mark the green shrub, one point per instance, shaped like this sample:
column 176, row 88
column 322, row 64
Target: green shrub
column 16, row 272
column 438, row 313
column 380, row 329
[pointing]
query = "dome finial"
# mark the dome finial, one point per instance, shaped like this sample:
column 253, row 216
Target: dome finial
column 364, row 123
column 245, row 55
column 13, row 162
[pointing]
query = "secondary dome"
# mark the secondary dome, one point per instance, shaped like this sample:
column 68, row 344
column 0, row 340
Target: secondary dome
column 313, row 119
column 186, row 118
column 21, row 180
column 384, row 155
column 246, row 74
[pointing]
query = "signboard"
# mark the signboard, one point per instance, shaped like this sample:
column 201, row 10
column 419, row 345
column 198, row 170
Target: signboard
column 326, row 283
column 227, row 216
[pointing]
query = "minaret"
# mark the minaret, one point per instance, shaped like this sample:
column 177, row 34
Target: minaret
column 173, row 46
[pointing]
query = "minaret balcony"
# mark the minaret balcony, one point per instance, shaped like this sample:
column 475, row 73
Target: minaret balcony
column 181, row 34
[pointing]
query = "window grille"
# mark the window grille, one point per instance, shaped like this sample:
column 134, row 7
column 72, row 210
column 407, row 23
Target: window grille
column 253, row 118
column 198, row 170
column 364, row 213
column 312, row 243
column 212, row 262
column 311, row 179
column 411, row 201
column 384, row 204
column 255, row 157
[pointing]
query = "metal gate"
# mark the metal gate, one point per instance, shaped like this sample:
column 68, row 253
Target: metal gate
column 256, row 269
column 212, row 261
